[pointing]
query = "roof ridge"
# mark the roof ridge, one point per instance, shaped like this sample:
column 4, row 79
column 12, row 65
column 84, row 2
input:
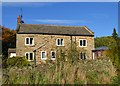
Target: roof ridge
column 53, row 25
column 54, row 29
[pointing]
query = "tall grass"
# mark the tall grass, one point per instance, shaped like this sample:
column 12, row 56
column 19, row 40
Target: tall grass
column 67, row 69
column 84, row 72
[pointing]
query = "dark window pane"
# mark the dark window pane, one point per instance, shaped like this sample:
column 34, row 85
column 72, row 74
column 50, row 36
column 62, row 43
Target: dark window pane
column 27, row 56
column 53, row 54
column 61, row 41
column 80, row 42
column 27, row 40
column 31, row 40
column 80, row 55
column 31, row 56
column 84, row 56
column 58, row 41
column 84, row 42
column 43, row 54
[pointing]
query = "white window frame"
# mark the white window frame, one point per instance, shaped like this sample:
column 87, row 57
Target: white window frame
column 60, row 41
column 82, row 43
column 45, row 55
column 29, row 56
column 29, row 41
column 12, row 54
column 83, row 56
column 51, row 55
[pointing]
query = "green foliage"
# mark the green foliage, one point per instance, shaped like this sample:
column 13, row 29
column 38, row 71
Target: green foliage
column 8, row 40
column 113, row 43
column 115, row 80
column 103, row 41
column 114, row 53
column 114, row 34
column 87, row 72
column 62, row 71
column 4, row 62
column 73, row 53
column 17, row 61
column 92, row 77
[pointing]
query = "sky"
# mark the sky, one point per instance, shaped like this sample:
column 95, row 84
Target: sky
column 100, row 17
column 59, row 0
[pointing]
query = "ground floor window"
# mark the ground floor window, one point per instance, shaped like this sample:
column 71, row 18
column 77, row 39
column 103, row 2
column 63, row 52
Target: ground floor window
column 43, row 55
column 53, row 55
column 82, row 55
column 29, row 56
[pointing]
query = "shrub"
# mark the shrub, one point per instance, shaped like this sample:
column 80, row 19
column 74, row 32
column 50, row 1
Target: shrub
column 17, row 61
column 115, row 80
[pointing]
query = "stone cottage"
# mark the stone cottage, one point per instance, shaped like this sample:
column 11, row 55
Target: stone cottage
column 39, row 42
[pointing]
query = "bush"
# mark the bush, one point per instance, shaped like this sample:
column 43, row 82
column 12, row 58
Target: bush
column 115, row 80
column 4, row 63
column 70, row 71
column 17, row 61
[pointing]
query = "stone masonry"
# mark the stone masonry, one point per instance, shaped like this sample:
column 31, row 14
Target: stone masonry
column 47, row 43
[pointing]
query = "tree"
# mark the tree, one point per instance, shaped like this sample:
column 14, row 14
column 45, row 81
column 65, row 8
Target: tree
column 114, row 53
column 8, row 40
column 104, row 41
column 114, row 34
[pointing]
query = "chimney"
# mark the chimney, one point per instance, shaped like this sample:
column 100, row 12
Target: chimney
column 18, row 19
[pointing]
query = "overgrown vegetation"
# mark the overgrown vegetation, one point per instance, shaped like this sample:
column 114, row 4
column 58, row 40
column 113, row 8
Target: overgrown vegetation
column 113, row 43
column 17, row 62
column 103, row 41
column 65, row 70
column 83, row 72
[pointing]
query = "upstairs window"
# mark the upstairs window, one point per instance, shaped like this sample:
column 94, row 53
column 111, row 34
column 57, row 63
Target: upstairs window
column 60, row 42
column 83, row 43
column 43, row 55
column 29, row 56
column 29, row 41
column 53, row 55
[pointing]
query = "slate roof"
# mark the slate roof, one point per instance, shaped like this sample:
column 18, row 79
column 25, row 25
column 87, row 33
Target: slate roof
column 54, row 30
column 11, row 50
column 101, row 48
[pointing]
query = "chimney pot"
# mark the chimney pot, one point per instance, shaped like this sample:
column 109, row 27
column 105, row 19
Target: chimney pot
column 18, row 19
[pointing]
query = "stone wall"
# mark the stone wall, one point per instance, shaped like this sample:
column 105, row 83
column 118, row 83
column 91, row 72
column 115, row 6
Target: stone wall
column 48, row 43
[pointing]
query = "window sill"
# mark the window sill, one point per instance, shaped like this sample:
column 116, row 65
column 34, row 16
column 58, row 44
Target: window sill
column 44, row 59
column 60, row 45
column 52, row 58
column 30, row 45
column 82, row 46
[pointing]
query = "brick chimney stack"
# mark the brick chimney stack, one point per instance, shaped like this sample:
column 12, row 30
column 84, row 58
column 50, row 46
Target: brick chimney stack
column 18, row 19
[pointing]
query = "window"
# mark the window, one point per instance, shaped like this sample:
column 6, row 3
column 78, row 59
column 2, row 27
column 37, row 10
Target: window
column 12, row 54
column 29, row 41
column 29, row 56
column 43, row 55
column 60, row 42
column 83, row 43
column 53, row 55
column 82, row 56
